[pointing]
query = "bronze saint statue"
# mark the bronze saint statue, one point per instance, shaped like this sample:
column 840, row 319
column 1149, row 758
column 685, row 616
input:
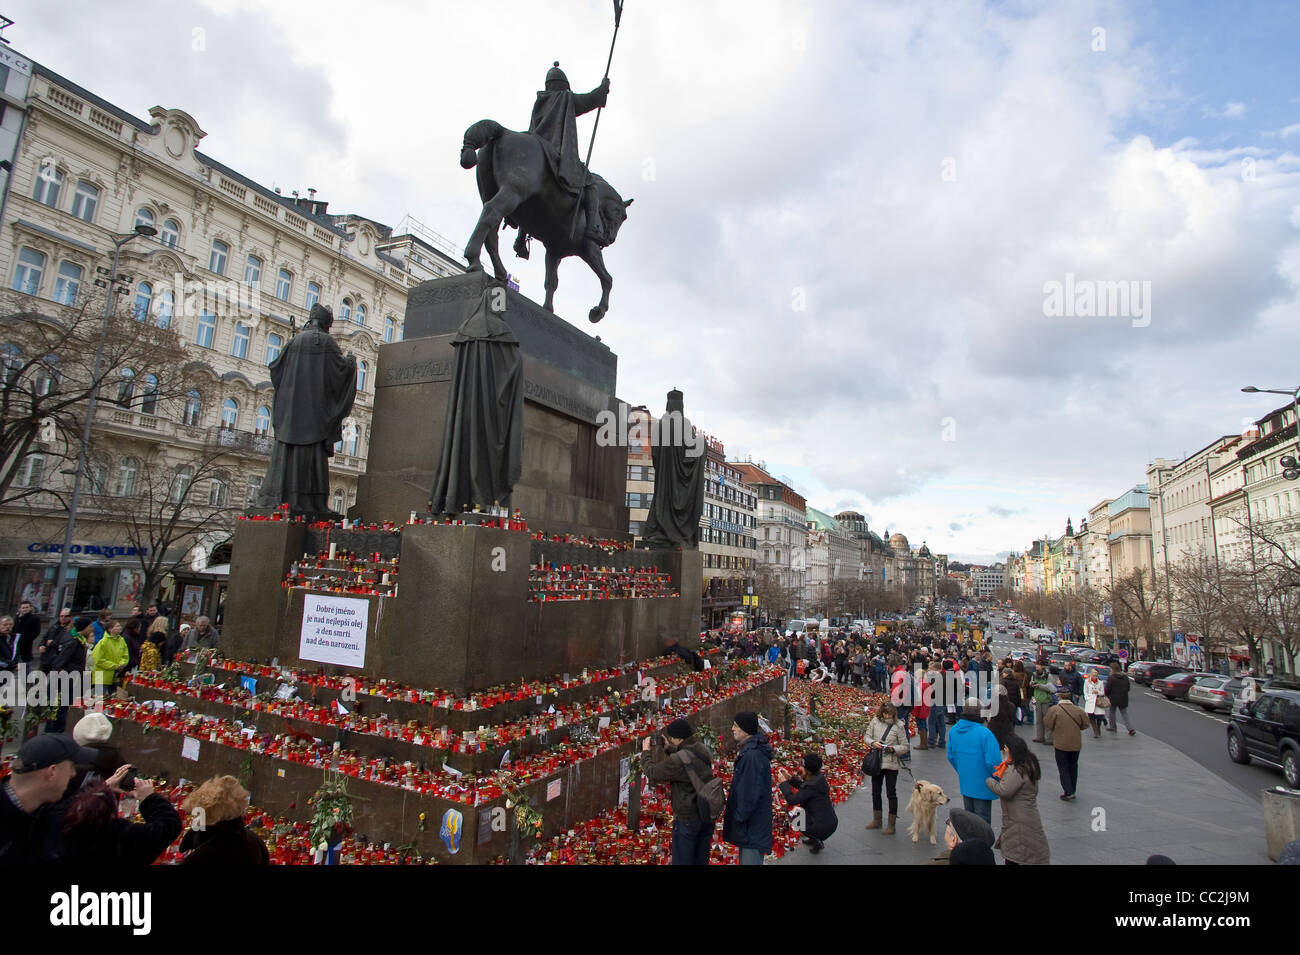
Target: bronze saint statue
column 315, row 385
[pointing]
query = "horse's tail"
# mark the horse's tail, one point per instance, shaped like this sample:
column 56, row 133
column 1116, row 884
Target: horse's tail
column 476, row 137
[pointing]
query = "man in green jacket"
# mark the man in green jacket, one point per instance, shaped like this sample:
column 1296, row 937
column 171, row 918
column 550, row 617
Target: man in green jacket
column 1044, row 700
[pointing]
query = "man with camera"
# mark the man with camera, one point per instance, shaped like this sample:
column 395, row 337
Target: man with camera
column 670, row 757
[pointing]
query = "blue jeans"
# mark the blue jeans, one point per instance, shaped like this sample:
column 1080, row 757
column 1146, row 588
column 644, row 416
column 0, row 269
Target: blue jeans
column 936, row 725
column 981, row 807
column 751, row 857
column 691, row 842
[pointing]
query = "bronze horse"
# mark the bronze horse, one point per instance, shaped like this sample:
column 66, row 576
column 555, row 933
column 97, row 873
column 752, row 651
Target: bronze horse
column 516, row 185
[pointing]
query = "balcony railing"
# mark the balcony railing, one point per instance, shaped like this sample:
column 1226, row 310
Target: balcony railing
column 246, row 442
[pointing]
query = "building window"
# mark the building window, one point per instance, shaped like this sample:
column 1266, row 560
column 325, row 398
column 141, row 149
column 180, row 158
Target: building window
column 363, row 371
column 143, row 300
column 98, row 473
column 193, row 409
column 31, row 472
column 68, row 283
column 170, row 235
column 313, row 294
column 181, row 482
column 284, row 285
column 350, row 439
column 46, row 381
column 144, row 216
column 390, row 328
column 84, row 201
column 126, row 475
column 206, row 330
column 361, row 315
column 219, row 490
column 252, row 271
column 217, row 258
column 126, row 388
column 263, row 425
column 49, row 180
column 166, row 305
column 338, row 500
column 149, row 400
column 239, row 347
column 252, row 490
column 230, row 414
column 30, row 271
column 345, row 310
column 273, row 345
column 12, row 362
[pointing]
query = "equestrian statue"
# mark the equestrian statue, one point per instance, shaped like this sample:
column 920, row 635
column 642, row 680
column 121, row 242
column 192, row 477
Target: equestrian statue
column 535, row 182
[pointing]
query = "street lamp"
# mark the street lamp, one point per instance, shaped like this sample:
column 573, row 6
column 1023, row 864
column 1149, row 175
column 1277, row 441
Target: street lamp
column 1290, row 469
column 110, row 303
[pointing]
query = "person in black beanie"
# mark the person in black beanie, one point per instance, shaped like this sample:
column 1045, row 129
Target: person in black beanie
column 811, row 790
column 666, row 758
column 969, row 838
column 747, row 821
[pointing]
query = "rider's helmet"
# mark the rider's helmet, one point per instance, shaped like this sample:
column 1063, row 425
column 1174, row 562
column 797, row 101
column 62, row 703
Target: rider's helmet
column 556, row 81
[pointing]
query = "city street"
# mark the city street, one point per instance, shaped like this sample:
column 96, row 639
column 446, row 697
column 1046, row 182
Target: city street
column 1194, row 732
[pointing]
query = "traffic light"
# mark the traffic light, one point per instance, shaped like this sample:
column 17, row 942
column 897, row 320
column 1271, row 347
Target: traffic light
column 1290, row 469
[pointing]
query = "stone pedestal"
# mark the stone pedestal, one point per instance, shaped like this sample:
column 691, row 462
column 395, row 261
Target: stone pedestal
column 569, row 483
column 462, row 620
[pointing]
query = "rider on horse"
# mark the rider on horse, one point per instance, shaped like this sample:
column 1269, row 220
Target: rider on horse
column 554, row 122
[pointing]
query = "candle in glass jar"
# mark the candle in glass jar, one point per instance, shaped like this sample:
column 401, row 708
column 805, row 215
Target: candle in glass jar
column 334, row 549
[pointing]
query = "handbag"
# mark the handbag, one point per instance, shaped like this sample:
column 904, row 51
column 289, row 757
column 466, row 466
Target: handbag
column 1102, row 702
column 873, row 762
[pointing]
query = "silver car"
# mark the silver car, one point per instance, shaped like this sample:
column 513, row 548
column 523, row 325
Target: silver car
column 1216, row 693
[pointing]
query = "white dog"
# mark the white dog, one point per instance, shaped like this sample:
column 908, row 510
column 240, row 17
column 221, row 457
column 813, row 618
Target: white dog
column 926, row 798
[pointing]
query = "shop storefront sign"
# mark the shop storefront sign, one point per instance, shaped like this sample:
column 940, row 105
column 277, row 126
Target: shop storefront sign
column 105, row 551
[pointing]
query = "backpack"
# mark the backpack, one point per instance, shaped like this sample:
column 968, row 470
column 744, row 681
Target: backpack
column 710, row 797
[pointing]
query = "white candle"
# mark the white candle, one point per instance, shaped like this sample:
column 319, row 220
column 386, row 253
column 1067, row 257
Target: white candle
column 412, row 520
column 334, row 548
column 385, row 578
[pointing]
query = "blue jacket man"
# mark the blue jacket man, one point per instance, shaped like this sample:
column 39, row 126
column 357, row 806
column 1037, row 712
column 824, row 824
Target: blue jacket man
column 747, row 820
column 974, row 753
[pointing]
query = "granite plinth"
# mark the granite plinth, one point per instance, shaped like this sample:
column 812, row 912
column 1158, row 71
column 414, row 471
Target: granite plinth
column 462, row 620
column 387, row 813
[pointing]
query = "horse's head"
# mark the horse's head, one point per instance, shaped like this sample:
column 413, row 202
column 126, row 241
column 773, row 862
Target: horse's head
column 614, row 211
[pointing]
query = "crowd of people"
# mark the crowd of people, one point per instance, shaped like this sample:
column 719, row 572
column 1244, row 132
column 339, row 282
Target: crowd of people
column 71, row 799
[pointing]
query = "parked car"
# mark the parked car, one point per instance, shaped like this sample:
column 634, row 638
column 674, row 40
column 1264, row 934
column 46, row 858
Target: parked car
column 1096, row 657
column 1174, row 686
column 1216, row 693
column 1147, row 672
column 1057, row 661
column 1269, row 730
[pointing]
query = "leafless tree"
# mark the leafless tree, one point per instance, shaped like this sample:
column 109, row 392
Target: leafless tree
column 48, row 371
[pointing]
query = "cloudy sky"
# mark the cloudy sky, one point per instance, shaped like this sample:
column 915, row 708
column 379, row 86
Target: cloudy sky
column 846, row 213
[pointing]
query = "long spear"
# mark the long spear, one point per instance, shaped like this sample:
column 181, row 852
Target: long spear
column 586, row 172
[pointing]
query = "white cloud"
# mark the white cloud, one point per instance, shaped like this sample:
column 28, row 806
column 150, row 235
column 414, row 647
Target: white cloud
column 802, row 146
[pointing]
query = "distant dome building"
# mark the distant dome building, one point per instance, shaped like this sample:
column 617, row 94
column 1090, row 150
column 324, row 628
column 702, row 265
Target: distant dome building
column 924, row 551
column 899, row 544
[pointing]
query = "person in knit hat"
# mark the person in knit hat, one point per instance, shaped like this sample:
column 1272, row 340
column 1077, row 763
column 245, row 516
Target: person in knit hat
column 969, row 838
column 93, row 731
column 669, row 758
column 747, row 820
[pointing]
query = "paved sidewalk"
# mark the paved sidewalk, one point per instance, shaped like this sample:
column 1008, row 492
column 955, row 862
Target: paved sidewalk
column 1150, row 797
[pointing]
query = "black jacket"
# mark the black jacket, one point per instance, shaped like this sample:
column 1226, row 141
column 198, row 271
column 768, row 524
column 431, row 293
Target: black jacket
column 30, row 838
column 28, row 628
column 224, row 843
column 64, row 653
column 814, row 794
column 1073, row 681
column 1117, row 687
column 129, row 843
